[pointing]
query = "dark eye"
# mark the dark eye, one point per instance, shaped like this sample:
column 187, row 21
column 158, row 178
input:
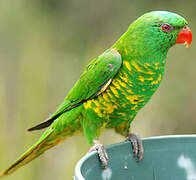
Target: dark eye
column 166, row 27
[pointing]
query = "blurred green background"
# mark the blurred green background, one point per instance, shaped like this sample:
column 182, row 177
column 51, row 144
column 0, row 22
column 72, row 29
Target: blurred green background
column 45, row 45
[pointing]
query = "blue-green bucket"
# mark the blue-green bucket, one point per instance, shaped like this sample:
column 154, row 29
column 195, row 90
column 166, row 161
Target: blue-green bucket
column 165, row 158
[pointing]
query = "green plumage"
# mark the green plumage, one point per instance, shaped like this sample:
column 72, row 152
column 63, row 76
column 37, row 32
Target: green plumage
column 113, row 87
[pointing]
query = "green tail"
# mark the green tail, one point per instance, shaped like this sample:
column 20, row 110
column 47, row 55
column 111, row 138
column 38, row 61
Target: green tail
column 43, row 144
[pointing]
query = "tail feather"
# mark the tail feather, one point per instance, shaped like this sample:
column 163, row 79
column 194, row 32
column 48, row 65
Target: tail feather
column 35, row 151
column 42, row 125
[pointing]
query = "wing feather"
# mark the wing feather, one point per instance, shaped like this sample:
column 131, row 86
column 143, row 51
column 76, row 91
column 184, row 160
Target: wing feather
column 93, row 81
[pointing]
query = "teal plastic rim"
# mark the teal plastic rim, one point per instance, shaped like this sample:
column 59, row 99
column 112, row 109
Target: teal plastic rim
column 168, row 138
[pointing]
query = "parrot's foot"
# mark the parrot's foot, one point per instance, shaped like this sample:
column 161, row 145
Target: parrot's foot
column 103, row 156
column 136, row 142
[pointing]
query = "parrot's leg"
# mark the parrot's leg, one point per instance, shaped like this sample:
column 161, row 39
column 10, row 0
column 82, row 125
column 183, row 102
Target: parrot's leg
column 137, row 145
column 103, row 155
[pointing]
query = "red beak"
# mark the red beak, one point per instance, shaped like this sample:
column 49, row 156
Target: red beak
column 185, row 36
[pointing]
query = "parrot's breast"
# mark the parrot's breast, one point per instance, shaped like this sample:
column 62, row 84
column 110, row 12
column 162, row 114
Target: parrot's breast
column 128, row 92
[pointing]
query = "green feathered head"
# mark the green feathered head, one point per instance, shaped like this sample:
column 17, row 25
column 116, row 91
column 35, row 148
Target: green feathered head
column 152, row 34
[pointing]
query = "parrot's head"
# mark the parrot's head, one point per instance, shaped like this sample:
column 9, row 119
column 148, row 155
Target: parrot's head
column 155, row 32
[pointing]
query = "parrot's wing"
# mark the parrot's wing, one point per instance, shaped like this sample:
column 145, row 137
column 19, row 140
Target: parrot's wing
column 93, row 81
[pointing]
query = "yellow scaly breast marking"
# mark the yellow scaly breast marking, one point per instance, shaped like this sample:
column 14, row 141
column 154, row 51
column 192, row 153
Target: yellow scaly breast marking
column 139, row 69
column 134, row 107
column 122, row 114
column 124, row 105
column 97, row 111
column 115, row 82
column 146, row 64
column 109, row 94
column 158, row 80
column 97, row 104
column 105, row 97
column 126, row 63
column 129, row 91
column 87, row 104
column 109, row 108
column 149, row 79
column 150, row 72
column 106, row 105
column 124, row 77
column 100, row 98
column 114, row 91
column 97, row 107
column 157, row 66
column 132, row 99
column 118, row 83
column 133, row 63
column 122, row 84
column 141, row 78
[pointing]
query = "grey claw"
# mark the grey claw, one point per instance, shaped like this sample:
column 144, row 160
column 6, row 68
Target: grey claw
column 136, row 142
column 103, row 156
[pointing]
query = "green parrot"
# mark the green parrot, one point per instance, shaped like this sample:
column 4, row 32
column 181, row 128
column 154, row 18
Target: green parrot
column 113, row 87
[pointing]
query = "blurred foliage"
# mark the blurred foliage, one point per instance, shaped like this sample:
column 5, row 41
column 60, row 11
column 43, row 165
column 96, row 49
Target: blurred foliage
column 45, row 45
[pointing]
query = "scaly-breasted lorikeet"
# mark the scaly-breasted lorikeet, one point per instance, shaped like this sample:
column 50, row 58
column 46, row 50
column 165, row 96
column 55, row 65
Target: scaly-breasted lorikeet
column 114, row 86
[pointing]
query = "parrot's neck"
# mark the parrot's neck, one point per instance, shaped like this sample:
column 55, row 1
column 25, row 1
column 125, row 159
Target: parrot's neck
column 136, row 46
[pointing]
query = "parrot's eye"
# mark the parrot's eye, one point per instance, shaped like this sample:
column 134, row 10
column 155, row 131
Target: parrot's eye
column 166, row 27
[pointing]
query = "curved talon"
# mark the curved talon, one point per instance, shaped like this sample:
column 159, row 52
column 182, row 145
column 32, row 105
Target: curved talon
column 103, row 156
column 136, row 142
